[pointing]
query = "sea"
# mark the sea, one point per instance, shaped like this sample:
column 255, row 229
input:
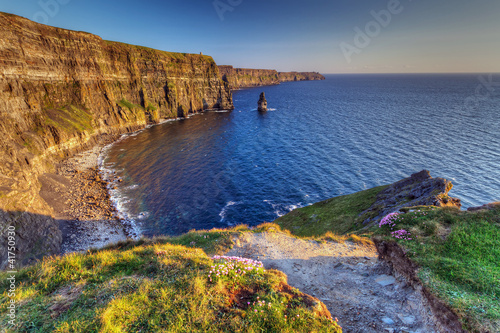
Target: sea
column 320, row 139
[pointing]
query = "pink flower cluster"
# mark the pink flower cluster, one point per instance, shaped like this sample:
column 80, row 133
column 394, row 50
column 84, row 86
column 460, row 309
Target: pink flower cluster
column 419, row 213
column 260, row 303
column 233, row 267
column 401, row 234
column 389, row 219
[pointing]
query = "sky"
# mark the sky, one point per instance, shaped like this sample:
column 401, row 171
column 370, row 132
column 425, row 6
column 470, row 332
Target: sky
column 328, row 36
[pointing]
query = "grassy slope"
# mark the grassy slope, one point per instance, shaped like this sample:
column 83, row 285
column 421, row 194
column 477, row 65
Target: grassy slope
column 339, row 215
column 158, row 285
column 129, row 288
column 458, row 252
column 459, row 256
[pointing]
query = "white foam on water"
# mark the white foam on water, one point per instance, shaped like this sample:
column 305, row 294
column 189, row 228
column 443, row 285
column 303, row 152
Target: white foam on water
column 283, row 209
column 143, row 215
column 224, row 210
column 118, row 198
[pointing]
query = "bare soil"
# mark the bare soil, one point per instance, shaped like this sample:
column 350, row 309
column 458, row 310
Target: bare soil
column 357, row 288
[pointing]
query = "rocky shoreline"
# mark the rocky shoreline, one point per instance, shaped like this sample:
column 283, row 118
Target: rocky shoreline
column 82, row 205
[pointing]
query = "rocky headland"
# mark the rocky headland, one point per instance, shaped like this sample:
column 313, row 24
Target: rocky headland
column 238, row 78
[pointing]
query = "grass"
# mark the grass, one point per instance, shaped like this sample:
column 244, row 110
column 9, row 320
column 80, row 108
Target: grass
column 157, row 285
column 129, row 105
column 69, row 119
column 339, row 215
column 459, row 257
column 151, row 107
column 458, row 252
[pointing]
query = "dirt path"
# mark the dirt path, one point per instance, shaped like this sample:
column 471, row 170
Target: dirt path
column 356, row 287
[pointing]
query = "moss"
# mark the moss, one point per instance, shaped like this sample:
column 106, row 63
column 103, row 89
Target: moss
column 69, row 119
column 151, row 107
column 126, row 104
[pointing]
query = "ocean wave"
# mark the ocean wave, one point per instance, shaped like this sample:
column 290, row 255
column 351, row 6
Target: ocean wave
column 224, row 210
column 280, row 209
column 169, row 120
column 120, row 202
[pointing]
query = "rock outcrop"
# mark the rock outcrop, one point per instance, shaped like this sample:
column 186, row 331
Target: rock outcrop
column 262, row 104
column 420, row 189
column 61, row 90
column 238, row 78
column 489, row 206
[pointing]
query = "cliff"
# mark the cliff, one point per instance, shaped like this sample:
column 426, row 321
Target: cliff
column 299, row 76
column 247, row 78
column 61, row 91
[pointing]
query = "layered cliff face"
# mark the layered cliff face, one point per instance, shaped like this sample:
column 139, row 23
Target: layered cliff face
column 299, row 76
column 247, row 78
column 60, row 90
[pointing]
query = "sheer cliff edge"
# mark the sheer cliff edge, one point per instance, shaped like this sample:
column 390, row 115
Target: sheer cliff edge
column 238, row 78
column 61, row 91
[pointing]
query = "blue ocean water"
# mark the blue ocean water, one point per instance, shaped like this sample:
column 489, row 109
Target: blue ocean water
column 321, row 139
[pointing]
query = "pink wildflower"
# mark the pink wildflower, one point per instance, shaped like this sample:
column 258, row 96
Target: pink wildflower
column 389, row 219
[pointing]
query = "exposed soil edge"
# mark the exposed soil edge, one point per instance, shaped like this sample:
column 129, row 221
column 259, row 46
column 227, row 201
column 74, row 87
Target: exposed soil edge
column 392, row 253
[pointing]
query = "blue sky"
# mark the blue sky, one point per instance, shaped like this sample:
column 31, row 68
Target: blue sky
column 329, row 36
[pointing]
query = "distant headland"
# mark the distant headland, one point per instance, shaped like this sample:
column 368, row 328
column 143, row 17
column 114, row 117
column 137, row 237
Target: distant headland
column 247, row 77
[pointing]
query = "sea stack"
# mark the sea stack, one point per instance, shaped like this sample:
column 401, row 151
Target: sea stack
column 262, row 103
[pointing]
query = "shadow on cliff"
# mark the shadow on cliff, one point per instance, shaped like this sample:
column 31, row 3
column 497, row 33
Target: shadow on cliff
column 32, row 235
column 35, row 236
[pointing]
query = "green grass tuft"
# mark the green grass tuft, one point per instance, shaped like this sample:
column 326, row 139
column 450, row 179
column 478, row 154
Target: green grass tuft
column 339, row 215
column 129, row 105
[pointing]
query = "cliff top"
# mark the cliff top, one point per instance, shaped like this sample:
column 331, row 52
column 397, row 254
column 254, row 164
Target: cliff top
column 47, row 30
